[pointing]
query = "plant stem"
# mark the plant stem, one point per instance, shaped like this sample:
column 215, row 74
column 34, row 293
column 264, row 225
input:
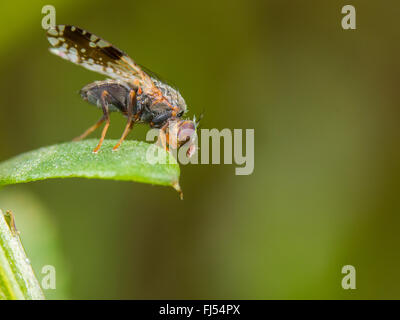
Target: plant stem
column 17, row 280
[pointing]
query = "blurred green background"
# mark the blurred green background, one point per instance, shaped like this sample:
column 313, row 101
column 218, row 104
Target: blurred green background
column 324, row 193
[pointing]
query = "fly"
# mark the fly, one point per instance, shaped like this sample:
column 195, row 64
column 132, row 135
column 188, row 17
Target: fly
column 139, row 96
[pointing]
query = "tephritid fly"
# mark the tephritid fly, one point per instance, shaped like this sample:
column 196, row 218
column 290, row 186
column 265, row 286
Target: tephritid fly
column 139, row 95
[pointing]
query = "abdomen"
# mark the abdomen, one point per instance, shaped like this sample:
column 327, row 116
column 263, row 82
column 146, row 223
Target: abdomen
column 117, row 97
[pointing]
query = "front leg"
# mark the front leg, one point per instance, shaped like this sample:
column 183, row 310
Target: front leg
column 163, row 137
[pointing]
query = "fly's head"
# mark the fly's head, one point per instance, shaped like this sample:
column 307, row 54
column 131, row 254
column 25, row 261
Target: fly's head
column 182, row 132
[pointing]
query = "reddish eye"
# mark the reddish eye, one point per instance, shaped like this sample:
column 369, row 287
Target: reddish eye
column 186, row 131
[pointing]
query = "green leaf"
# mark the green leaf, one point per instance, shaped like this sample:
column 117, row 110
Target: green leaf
column 17, row 280
column 76, row 159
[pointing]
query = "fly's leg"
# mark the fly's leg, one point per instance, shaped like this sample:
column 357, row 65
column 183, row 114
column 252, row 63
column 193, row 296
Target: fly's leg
column 131, row 120
column 163, row 137
column 90, row 130
column 104, row 106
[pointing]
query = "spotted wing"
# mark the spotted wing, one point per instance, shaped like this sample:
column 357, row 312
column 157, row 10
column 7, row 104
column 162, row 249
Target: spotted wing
column 94, row 53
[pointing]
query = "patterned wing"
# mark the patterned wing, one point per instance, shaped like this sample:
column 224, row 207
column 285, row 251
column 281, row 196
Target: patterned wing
column 92, row 52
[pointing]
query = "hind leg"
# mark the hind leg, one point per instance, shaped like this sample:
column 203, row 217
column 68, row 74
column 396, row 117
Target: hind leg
column 104, row 106
column 90, row 130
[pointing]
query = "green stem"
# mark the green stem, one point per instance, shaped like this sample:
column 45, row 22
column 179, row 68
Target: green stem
column 17, row 280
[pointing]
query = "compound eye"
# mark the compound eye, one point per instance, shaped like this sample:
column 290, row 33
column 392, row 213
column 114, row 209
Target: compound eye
column 186, row 131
